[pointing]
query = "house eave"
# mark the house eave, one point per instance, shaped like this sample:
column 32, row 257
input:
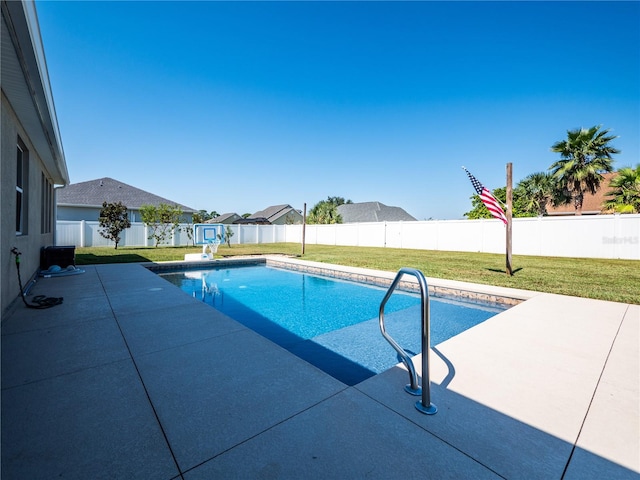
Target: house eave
column 26, row 85
column 78, row 205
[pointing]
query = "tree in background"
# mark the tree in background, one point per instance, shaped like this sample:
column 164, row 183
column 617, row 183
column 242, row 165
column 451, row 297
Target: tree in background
column 200, row 216
column 228, row 233
column 536, row 192
column 162, row 220
column 113, row 221
column 585, row 155
column 337, row 201
column 625, row 193
column 479, row 210
column 188, row 229
column 326, row 211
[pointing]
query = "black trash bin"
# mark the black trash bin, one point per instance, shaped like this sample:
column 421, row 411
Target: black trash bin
column 63, row 256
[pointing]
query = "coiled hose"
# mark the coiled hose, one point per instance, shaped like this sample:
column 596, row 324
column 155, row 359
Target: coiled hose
column 40, row 300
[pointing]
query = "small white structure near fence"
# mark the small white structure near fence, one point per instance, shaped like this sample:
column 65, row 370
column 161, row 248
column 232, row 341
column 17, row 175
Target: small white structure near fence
column 597, row 236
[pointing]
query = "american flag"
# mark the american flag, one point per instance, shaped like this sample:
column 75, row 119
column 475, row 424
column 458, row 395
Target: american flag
column 487, row 198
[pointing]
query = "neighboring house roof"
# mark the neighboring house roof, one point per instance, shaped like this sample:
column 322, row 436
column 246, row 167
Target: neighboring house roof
column 274, row 212
column 252, row 221
column 372, row 212
column 222, row 218
column 591, row 204
column 94, row 192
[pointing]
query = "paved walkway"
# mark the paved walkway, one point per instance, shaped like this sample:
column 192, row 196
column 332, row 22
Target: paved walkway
column 131, row 378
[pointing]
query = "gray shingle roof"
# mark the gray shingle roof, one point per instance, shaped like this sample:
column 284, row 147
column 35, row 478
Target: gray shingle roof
column 372, row 212
column 94, row 192
column 222, row 218
column 272, row 213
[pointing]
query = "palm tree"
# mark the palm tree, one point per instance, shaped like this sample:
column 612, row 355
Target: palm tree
column 324, row 213
column 535, row 192
column 625, row 196
column 585, row 155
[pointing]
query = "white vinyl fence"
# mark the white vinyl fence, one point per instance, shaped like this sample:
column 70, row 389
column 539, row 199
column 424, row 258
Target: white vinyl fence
column 597, row 236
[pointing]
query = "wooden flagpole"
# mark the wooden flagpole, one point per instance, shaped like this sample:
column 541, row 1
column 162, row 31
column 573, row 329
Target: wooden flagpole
column 509, row 214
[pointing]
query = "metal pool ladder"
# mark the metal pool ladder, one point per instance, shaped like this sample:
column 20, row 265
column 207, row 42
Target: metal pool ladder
column 424, row 406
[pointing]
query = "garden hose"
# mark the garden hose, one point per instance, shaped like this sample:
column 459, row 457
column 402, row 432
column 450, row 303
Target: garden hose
column 40, row 300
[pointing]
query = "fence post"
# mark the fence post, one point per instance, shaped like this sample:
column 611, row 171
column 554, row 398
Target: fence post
column 385, row 235
column 82, row 233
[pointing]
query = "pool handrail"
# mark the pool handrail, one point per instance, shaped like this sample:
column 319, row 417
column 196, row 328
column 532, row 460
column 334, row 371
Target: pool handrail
column 424, row 406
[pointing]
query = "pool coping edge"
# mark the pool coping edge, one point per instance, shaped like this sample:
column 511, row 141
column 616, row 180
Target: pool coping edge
column 437, row 287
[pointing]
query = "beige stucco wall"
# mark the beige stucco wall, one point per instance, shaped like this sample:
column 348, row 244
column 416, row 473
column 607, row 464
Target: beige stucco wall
column 31, row 242
column 26, row 112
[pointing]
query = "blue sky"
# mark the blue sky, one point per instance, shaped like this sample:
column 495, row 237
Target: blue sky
column 237, row 106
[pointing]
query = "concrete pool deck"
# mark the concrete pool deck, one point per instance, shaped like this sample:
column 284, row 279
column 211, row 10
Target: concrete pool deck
column 132, row 378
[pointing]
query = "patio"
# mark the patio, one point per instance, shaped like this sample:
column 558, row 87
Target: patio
column 132, row 378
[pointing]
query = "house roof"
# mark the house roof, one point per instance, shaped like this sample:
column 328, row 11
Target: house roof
column 252, row 221
column 94, row 192
column 274, row 212
column 222, row 218
column 372, row 212
column 591, row 204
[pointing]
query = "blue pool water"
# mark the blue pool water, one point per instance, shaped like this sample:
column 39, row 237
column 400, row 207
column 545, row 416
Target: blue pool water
column 330, row 323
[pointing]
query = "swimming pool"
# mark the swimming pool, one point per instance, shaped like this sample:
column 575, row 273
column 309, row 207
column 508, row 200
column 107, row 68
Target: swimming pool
column 332, row 324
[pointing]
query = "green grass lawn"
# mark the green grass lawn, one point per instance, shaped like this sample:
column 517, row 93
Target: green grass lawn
column 615, row 280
